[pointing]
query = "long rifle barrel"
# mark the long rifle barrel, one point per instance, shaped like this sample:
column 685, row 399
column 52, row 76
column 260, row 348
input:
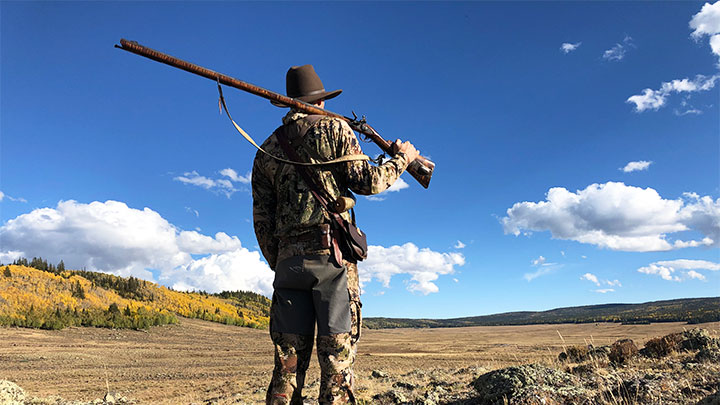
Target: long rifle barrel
column 421, row 168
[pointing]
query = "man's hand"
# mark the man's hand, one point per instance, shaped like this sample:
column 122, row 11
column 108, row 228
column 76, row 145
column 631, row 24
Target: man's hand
column 407, row 148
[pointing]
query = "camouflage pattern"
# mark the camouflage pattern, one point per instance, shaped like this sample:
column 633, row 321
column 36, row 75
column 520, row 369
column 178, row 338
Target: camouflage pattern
column 336, row 355
column 284, row 208
column 284, row 211
column 292, row 359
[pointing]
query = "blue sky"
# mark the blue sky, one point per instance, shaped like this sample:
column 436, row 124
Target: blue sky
column 576, row 143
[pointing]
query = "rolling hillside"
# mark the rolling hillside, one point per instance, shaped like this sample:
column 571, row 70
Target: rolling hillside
column 691, row 310
column 53, row 299
column 35, row 294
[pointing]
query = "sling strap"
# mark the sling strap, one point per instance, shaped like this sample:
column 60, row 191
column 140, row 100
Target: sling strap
column 346, row 158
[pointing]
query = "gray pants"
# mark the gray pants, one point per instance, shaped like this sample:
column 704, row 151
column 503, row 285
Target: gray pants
column 309, row 290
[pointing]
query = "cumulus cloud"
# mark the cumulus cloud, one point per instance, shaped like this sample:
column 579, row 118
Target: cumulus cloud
column 654, row 99
column 617, row 52
column 614, row 283
column 704, row 23
column 568, row 47
column 679, row 269
column 590, row 277
column 594, row 279
column 605, row 290
column 694, row 274
column 618, row 217
column 707, row 23
column 424, row 266
column 399, row 184
column 112, row 237
column 636, row 166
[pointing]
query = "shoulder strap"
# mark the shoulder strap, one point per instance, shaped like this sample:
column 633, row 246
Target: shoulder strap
column 317, row 191
column 346, row 158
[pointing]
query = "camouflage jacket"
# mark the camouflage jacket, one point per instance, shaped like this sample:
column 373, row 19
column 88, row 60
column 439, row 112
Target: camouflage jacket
column 283, row 206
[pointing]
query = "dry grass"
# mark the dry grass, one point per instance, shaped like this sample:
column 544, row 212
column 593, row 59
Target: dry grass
column 197, row 361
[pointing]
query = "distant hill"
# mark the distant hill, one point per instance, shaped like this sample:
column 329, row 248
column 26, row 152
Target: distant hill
column 51, row 297
column 691, row 310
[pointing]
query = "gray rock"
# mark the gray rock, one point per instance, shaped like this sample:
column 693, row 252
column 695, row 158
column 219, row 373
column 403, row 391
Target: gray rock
column 520, row 384
column 378, row 374
column 11, row 393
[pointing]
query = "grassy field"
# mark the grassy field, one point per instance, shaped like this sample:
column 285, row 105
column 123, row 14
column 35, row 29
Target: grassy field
column 196, row 361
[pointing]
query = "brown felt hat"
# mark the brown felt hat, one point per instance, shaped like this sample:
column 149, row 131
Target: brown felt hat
column 302, row 83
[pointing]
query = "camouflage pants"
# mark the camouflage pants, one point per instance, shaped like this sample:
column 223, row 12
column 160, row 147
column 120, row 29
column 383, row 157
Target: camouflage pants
column 336, row 355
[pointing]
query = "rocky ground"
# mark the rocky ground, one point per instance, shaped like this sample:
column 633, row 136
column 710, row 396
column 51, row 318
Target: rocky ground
column 680, row 368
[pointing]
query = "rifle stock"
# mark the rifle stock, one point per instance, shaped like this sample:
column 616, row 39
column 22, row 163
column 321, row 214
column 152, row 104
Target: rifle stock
column 421, row 168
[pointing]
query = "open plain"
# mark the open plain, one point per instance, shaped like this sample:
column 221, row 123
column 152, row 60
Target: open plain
column 203, row 362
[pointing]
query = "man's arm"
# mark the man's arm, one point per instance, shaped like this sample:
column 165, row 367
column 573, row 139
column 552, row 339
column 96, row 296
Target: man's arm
column 366, row 179
column 264, row 204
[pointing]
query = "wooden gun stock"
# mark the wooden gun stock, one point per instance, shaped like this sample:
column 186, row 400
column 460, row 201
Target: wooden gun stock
column 421, row 168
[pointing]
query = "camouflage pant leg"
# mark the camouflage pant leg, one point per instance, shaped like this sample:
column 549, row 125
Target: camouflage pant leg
column 336, row 356
column 355, row 304
column 292, row 358
column 336, row 353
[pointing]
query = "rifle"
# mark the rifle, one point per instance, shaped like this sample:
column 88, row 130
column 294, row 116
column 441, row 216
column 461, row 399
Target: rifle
column 421, row 168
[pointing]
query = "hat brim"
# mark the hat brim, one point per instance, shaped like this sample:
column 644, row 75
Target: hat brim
column 326, row 95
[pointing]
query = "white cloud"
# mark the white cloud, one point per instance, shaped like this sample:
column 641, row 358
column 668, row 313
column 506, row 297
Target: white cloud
column 590, row 277
column 219, row 185
column 234, row 176
column 669, row 269
column 193, row 211
column 617, row 52
column 688, row 264
column 605, row 290
column 543, row 270
column 636, row 166
column 654, row 99
column 694, row 274
column 3, row 196
column 459, row 245
column 707, row 22
column 568, row 47
column 539, row 261
column 216, row 185
column 664, row 272
column 423, row 265
column 115, row 238
column 617, row 217
column 399, row 184
column 614, row 283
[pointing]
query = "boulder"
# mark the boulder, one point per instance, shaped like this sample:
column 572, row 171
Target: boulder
column 11, row 393
column 622, row 351
column 528, row 384
column 663, row 346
